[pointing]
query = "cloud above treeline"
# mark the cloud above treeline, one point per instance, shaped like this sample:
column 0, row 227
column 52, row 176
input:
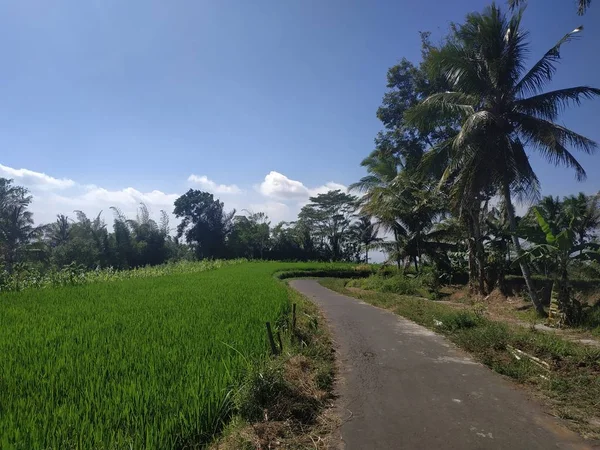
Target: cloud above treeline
column 277, row 195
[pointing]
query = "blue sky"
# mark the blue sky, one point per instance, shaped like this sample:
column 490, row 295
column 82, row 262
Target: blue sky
column 264, row 103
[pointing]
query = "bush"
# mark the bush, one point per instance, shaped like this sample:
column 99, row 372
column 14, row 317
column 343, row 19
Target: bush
column 396, row 284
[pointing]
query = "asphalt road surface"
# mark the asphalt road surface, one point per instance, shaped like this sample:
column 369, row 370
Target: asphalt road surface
column 402, row 386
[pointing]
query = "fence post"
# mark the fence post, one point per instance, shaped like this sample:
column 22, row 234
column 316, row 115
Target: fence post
column 294, row 317
column 271, row 340
column 280, row 342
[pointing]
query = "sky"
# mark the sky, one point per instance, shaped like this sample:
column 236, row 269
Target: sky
column 263, row 103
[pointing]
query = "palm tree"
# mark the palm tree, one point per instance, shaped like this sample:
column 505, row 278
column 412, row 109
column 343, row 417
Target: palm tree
column 366, row 233
column 58, row 232
column 502, row 110
column 383, row 167
column 585, row 212
column 582, row 5
column 16, row 222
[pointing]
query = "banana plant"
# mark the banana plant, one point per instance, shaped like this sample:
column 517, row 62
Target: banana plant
column 559, row 251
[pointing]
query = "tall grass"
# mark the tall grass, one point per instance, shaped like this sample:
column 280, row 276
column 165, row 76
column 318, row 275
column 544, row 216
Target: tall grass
column 137, row 363
column 397, row 284
column 29, row 277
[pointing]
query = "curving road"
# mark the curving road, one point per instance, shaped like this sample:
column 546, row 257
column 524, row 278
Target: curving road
column 402, row 386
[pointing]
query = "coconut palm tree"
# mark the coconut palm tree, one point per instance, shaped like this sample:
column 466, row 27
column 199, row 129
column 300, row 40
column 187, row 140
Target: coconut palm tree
column 366, row 234
column 585, row 212
column 502, row 110
column 383, row 167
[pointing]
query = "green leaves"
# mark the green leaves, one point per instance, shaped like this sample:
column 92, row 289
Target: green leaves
column 550, row 238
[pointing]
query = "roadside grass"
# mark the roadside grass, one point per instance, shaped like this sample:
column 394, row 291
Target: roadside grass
column 397, row 284
column 155, row 361
column 285, row 401
column 570, row 385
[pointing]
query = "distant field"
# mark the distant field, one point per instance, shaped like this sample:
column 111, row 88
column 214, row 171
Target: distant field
column 135, row 363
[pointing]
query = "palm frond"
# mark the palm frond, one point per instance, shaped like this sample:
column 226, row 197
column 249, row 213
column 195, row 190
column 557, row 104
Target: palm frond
column 551, row 139
column 550, row 104
column 543, row 71
column 475, row 124
column 582, row 5
column 365, row 183
column 525, row 183
column 438, row 107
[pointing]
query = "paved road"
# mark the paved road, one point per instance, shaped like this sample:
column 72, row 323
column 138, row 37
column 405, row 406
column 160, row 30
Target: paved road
column 404, row 387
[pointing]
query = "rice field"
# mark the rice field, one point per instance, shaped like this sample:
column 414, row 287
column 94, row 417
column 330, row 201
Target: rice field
column 134, row 363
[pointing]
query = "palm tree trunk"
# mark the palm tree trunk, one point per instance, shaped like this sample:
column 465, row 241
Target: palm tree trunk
column 512, row 223
column 479, row 254
column 397, row 249
column 367, row 254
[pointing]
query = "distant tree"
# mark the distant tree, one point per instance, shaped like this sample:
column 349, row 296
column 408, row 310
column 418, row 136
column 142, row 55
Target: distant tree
column 16, row 222
column 328, row 216
column 58, row 232
column 285, row 243
column 249, row 235
column 205, row 224
column 366, row 232
column 585, row 213
column 88, row 242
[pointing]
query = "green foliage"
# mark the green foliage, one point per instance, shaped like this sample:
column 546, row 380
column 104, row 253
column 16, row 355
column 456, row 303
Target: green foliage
column 397, row 284
column 204, row 223
column 249, row 236
column 16, row 222
column 150, row 361
column 27, row 276
column 496, row 107
column 329, row 217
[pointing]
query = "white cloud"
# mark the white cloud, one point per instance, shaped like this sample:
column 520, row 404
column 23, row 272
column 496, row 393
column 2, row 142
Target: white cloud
column 276, row 185
column 52, row 196
column 208, row 184
column 279, row 186
column 278, row 196
column 38, row 179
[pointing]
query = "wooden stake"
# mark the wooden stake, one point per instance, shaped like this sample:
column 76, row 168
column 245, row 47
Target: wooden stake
column 271, row 340
column 293, row 317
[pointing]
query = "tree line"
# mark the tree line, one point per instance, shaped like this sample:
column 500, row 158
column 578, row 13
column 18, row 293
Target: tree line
column 328, row 228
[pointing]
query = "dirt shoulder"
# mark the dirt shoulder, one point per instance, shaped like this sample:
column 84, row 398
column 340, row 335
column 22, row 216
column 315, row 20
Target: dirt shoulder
column 288, row 402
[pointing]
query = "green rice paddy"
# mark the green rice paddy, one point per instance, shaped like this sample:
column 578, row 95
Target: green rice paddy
column 135, row 363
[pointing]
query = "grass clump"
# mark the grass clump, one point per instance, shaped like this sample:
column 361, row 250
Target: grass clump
column 397, row 284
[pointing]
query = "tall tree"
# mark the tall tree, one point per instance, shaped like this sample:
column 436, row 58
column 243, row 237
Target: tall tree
column 204, row 224
column 58, row 232
column 366, row 233
column 249, row 235
column 502, row 109
column 329, row 216
column 16, row 222
column 584, row 211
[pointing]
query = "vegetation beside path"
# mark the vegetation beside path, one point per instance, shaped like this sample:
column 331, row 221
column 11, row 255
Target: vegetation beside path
column 566, row 375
